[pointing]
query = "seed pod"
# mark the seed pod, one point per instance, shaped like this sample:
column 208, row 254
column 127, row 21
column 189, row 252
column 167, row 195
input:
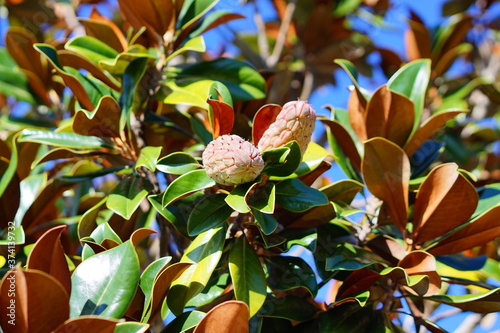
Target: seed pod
column 294, row 122
column 230, row 160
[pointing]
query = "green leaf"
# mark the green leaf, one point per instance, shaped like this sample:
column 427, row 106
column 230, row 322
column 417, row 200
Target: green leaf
column 148, row 157
column 148, row 278
column 186, row 92
column 247, row 275
column 177, row 163
column 283, row 161
column 213, row 20
column 127, row 195
column 297, row 197
column 344, row 7
column 262, row 198
column 184, row 322
column 350, row 69
column 286, row 273
column 205, row 251
column 237, row 198
column 489, row 196
column 290, row 307
column 188, row 183
column 193, row 10
column 91, row 48
column 196, row 44
column 64, row 139
column 266, row 222
column 411, row 80
column 118, row 65
column 208, row 213
column 131, row 327
column 244, row 82
column 13, row 82
column 349, row 317
column 481, row 302
column 131, row 79
column 350, row 257
column 105, row 283
column 10, row 172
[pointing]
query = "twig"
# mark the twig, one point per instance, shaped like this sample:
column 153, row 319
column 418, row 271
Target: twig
column 280, row 41
column 261, row 33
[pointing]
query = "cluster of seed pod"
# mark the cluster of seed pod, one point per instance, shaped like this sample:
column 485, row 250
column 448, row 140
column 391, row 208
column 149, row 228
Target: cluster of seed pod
column 231, row 160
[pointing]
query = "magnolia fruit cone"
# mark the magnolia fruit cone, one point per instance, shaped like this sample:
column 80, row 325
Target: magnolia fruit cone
column 294, row 122
column 230, row 160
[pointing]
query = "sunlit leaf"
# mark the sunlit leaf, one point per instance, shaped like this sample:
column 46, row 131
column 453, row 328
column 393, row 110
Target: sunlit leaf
column 105, row 283
column 187, row 183
column 294, row 196
column 247, row 275
column 227, row 317
column 127, row 195
column 177, row 163
column 148, row 157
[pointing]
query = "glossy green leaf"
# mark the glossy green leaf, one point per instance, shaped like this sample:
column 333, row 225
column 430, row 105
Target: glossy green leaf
column 283, row 161
column 266, row 222
column 244, row 82
column 186, row 92
column 63, row 139
column 262, row 198
column 208, row 213
column 187, row 183
column 481, row 302
column 196, row 44
column 130, row 81
column 286, row 273
column 184, row 322
column 177, row 163
column 351, row 257
column 127, row 195
column 247, row 275
column 237, row 198
column 131, row 327
column 148, row 157
column 118, row 65
column 10, row 172
column 205, row 252
column 91, row 48
column 105, row 283
column 290, row 307
column 411, row 80
column 215, row 287
column 295, row 196
column 489, row 196
column 350, row 69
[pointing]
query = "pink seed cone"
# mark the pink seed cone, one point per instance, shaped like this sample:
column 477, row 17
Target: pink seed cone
column 230, row 160
column 294, row 122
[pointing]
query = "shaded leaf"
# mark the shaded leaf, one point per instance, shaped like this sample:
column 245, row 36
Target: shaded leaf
column 102, row 122
column 208, row 213
column 184, row 322
column 481, row 302
column 290, row 307
column 345, row 142
column 294, row 196
column 286, row 273
column 386, row 169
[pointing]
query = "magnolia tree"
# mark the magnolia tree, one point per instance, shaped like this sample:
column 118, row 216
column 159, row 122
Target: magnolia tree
column 149, row 185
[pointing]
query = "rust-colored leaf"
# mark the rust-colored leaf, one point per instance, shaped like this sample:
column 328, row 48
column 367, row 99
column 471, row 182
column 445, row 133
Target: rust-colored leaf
column 387, row 248
column 417, row 39
column 428, row 128
column 88, row 324
column 356, row 107
column 479, row 231
column 222, row 117
column 48, row 256
column 445, row 200
column 75, row 60
column 41, row 302
column 461, row 24
column 104, row 121
column 19, row 42
column 357, row 282
column 106, row 30
column 140, row 234
column 422, row 263
column 263, row 119
column 108, row 243
column 155, row 15
column 227, row 317
column 162, row 285
column 386, row 169
column 448, row 58
column 97, row 248
column 389, row 115
column 345, row 141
